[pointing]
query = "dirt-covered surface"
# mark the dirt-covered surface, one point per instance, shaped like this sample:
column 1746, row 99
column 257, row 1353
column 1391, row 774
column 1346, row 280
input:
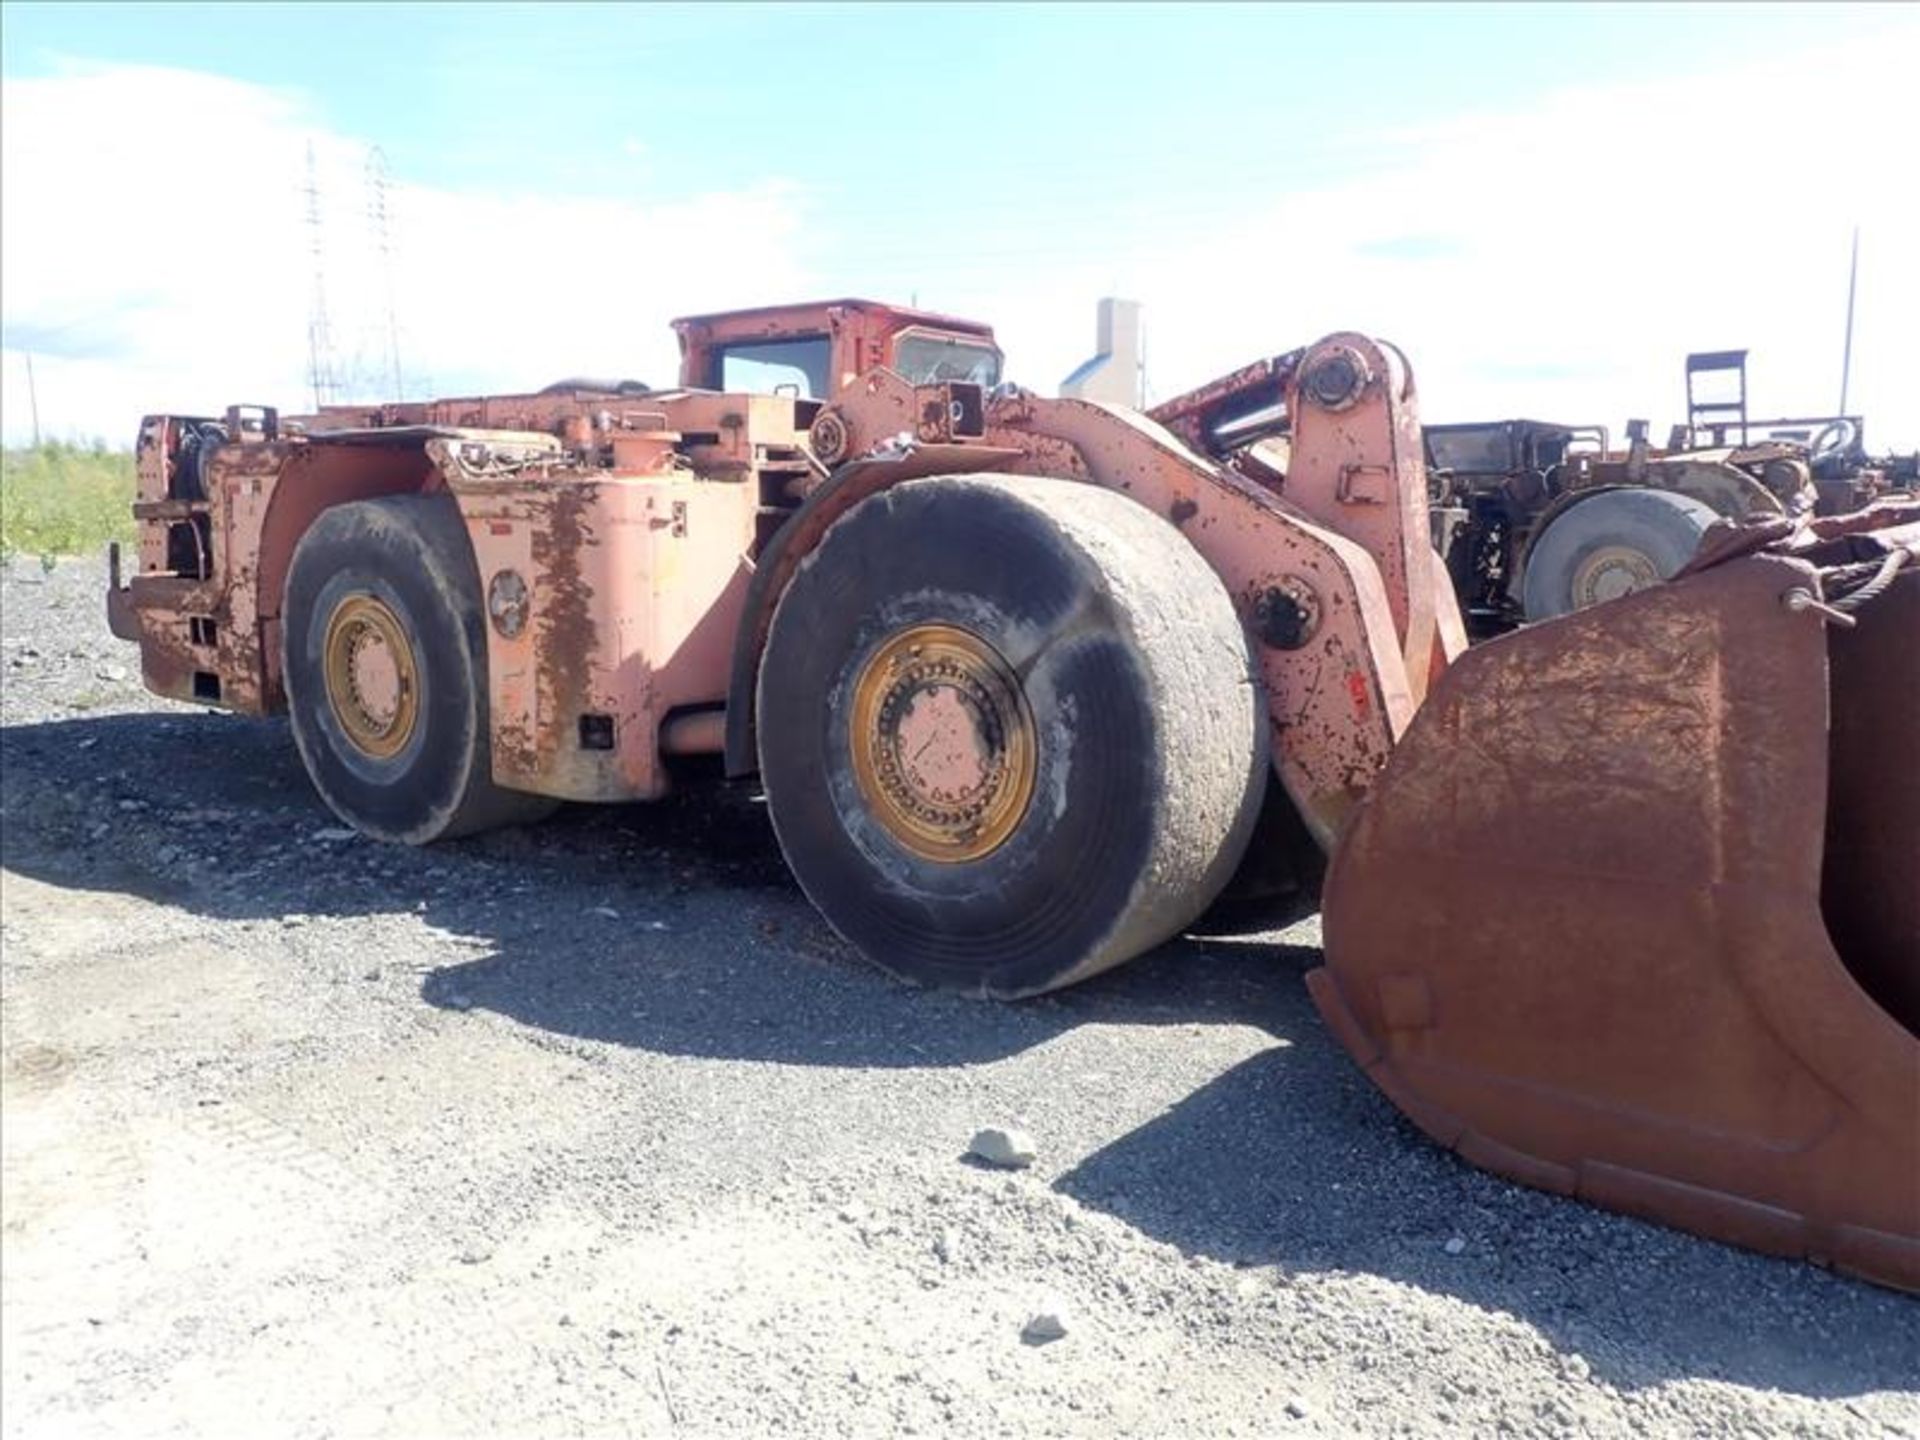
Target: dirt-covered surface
column 596, row 1128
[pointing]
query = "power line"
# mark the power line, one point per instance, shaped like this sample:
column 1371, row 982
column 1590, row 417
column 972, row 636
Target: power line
column 1846, row 355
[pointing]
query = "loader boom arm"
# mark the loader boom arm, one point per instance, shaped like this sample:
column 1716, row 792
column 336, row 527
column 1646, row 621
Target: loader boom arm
column 1331, row 569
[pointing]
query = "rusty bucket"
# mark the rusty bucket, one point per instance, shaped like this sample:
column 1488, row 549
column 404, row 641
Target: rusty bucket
column 1633, row 913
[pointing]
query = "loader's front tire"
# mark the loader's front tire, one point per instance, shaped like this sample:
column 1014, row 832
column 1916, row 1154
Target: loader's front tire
column 385, row 667
column 1008, row 731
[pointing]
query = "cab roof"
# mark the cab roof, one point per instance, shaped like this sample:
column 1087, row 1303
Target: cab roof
column 911, row 316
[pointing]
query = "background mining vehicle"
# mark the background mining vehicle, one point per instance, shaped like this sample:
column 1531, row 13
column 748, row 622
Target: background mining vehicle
column 1610, row 906
column 1833, row 447
column 1536, row 519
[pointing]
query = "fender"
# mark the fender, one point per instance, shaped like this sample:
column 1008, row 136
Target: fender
column 845, row 488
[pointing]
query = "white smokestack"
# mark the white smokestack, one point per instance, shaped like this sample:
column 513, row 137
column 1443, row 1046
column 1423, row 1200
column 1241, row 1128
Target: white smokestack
column 1114, row 374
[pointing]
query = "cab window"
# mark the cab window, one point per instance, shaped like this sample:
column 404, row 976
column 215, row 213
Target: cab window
column 765, row 367
column 1471, row 450
column 925, row 359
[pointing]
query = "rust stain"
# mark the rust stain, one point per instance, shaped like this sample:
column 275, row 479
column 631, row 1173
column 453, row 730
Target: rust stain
column 568, row 632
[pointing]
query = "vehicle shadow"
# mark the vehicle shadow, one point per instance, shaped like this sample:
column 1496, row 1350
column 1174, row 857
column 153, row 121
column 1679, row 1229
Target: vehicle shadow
column 1293, row 1160
column 675, row 928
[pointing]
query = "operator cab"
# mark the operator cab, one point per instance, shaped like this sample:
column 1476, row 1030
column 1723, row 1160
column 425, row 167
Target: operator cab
column 815, row 351
column 1492, row 455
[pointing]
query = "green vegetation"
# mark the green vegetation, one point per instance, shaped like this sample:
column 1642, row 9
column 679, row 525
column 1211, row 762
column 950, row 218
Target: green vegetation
column 62, row 499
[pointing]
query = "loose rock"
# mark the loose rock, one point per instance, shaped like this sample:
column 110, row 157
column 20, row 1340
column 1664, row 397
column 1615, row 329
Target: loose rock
column 1047, row 1324
column 1007, row 1149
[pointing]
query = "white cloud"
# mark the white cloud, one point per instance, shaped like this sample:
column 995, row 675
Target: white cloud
column 1560, row 261
column 1556, row 260
column 155, row 254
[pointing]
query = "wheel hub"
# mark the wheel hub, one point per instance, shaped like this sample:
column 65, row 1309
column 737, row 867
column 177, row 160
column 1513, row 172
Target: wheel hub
column 1610, row 572
column 371, row 676
column 944, row 747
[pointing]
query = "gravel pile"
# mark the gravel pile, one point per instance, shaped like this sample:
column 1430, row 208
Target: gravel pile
column 596, row 1128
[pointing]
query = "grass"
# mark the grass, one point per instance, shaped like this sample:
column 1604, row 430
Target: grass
column 63, row 499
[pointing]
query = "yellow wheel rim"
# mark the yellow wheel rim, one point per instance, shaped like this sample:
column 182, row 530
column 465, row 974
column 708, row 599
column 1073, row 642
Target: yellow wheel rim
column 372, row 676
column 944, row 747
column 1611, row 572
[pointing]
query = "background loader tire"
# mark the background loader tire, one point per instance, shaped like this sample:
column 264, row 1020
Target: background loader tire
column 1110, row 646
column 383, row 596
column 1610, row 545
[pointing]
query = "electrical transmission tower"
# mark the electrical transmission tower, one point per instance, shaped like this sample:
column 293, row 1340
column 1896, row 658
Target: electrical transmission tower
column 319, row 338
column 379, row 223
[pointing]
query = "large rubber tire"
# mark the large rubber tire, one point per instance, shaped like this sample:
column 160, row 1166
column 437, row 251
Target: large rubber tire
column 1655, row 530
column 411, row 554
column 1279, row 877
column 1150, row 756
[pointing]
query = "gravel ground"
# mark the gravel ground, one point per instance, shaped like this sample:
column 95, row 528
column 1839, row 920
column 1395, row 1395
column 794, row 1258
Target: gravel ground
column 596, row 1128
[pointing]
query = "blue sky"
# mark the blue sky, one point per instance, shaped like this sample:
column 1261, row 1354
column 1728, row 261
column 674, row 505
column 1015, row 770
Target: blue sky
column 1240, row 169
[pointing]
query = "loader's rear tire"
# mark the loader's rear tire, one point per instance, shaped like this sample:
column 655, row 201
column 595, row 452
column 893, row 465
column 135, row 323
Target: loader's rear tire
column 1613, row 544
column 1009, row 731
column 386, row 672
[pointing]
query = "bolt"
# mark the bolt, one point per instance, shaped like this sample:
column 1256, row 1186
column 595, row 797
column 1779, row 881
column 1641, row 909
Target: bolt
column 1336, row 379
column 1280, row 620
column 1798, row 599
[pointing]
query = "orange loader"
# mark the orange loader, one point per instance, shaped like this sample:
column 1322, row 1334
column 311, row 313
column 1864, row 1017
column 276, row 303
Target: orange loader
column 1624, row 905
